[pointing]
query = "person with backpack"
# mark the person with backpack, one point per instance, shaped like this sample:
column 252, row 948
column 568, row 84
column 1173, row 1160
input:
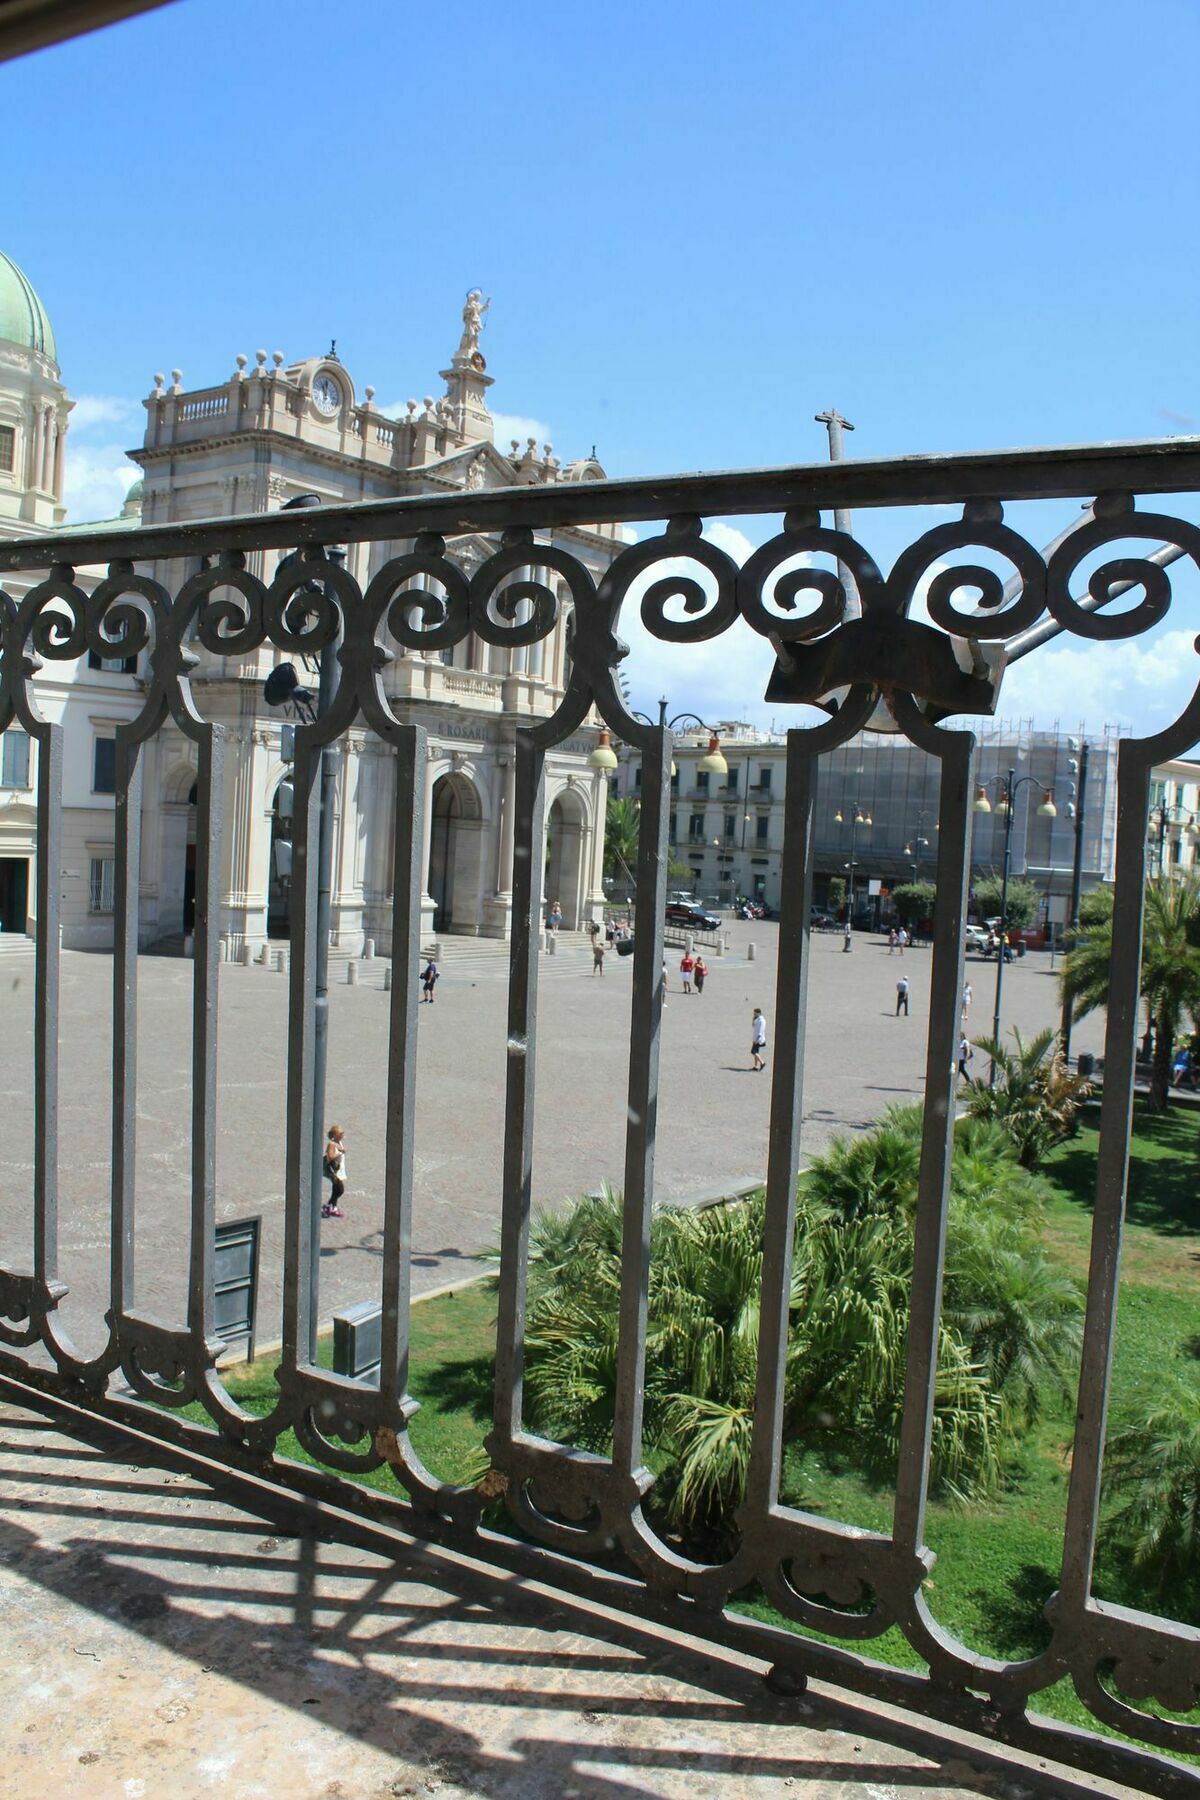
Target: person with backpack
column 965, row 1053
column 699, row 973
column 429, row 981
column 758, row 1039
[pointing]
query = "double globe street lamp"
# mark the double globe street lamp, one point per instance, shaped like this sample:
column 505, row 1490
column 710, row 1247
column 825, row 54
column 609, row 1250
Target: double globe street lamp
column 1007, row 787
column 857, row 817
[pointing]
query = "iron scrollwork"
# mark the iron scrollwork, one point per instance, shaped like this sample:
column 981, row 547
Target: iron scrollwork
column 795, row 593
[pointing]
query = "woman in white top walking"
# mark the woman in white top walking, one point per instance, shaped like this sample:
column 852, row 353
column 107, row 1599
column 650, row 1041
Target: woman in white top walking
column 758, row 1039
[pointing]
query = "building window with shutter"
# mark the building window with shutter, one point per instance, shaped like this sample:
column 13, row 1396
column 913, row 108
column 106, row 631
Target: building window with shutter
column 104, row 766
column 762, row 829
column 14, row 759
column 696, row 829
column 8, row 449
column 100, row 884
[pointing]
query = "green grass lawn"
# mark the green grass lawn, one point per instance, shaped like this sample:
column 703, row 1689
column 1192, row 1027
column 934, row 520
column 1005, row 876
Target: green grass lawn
column 452, row 1349
column 997, row 1563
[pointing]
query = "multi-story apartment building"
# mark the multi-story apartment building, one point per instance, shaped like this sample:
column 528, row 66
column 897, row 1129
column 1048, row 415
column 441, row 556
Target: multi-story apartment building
column 877, row 812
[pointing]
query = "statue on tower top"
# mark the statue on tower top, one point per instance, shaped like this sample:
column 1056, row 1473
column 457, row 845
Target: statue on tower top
column 473, row 311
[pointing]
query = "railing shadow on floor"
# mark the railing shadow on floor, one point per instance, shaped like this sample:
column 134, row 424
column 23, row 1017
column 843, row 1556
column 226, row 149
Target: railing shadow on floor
column 306, row 1605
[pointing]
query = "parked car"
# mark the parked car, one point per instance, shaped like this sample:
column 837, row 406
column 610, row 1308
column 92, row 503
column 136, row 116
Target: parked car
column 683, row 912
column 821, row 921
column 976, row 938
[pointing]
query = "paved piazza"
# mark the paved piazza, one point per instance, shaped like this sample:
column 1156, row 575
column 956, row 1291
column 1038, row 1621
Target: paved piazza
column 713, row 1111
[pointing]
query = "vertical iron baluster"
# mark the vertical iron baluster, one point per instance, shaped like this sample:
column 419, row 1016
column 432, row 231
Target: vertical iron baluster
column 956, row 750
column 407, row 881
column 530, row 792
column 646, row 1007
column 298, row 1246
column 787, row 1102
column 1112, row 1165
column 46, row 990
column 205, row 941
column 126, row 889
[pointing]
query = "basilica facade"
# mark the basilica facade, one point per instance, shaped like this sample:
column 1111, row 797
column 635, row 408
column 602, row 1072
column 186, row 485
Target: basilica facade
column 271, row 432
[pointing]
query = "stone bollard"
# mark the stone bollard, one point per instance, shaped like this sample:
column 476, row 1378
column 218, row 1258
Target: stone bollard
column 722, row 942
column 689, row 944
column 351, row 974
column 264, row 956
column 387, row 979
column 751, row 952
column 189, row 944
column 368, row 949
column 281, row 962
column 247, row 956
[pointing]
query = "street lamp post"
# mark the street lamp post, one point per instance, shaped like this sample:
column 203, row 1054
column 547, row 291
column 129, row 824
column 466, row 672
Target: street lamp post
column 857, row 818
column 1009, row 786
column 1163, row 816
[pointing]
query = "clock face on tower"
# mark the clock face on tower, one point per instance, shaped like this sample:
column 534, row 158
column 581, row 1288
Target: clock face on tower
column 327, row 395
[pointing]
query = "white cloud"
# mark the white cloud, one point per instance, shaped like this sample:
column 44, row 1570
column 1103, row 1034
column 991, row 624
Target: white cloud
column 1144, row 684
column 104, row 409
column 96, row 480
column 721, row 678
column 507, row 426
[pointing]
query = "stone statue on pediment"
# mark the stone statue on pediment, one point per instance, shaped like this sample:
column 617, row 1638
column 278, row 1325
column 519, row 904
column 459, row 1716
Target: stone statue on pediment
column 473, row 313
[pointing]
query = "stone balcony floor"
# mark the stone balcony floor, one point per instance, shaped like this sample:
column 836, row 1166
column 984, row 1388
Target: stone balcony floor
column 160, row 1640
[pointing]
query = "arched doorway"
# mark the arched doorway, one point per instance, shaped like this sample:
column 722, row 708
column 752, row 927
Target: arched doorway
column 177, row 856
column 565, row 833
column 456, row 855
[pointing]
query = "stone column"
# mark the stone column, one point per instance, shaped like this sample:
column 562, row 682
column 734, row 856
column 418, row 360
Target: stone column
column 60, row 445
column 427, row 908
column 48, row 452
column 497, row 911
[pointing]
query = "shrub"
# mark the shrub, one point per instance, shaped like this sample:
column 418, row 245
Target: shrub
column 1010, row 1321
column 1034, row 1095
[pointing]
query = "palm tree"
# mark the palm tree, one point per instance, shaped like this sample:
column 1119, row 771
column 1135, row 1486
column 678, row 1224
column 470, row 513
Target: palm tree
column 1011, row 1321
column 622, row 828
column 1153, row 1464
column 1170, row 972
column 1034, row 1095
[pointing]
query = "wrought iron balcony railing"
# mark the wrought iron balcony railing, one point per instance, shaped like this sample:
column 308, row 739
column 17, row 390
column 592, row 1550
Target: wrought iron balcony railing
column 573, row 1508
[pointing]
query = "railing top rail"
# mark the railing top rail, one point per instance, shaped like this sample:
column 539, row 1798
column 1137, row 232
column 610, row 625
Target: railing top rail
column 1155, row 465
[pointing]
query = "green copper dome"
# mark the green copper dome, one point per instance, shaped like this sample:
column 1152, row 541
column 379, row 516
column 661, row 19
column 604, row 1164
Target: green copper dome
column 22, row 316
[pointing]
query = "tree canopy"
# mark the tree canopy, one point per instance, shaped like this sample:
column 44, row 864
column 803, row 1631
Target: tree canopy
column 1024, row 899
column 914, row 900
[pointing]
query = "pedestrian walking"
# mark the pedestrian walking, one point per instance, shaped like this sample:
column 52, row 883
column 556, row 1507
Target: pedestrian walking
column 901, row 940
column 429, row 980
column 555, row 919
column 902, row 997
column 699, row 973
column 334, row 1167
column 892, row 940
column 967, row 998
column 598, row 950
column 758, row 1039
column 965, row 1053
column 687, row 963
column 664, row 984
column 593, row 929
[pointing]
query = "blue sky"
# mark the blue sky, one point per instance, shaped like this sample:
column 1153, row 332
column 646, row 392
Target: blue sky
column 967, row 226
